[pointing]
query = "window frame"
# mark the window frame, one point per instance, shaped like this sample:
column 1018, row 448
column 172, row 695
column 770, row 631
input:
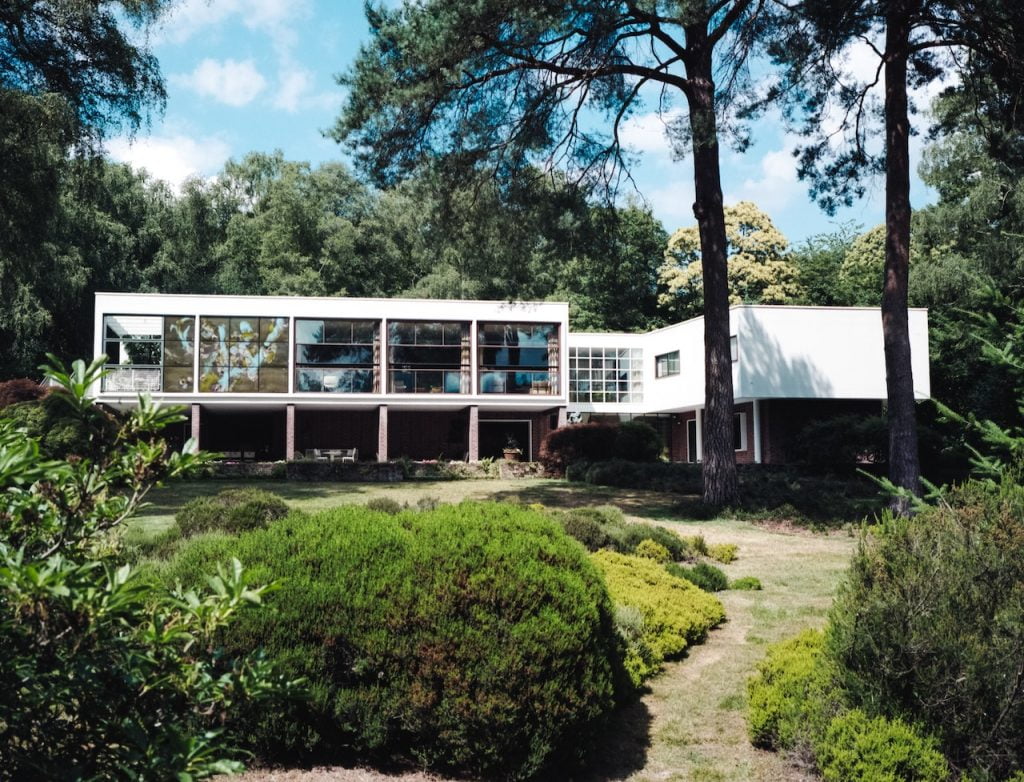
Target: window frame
column 658, row 373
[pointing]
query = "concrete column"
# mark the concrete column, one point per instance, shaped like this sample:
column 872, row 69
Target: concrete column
column 474, row 433
column 563, row 416
column 382, row 433
column 757, row 431
column 195, row 423
column 289, row 432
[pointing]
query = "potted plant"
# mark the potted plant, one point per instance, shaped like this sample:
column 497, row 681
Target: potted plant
column 512, row 451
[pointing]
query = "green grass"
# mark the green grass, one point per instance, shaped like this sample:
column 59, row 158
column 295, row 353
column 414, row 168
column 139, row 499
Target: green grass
column 690, row 725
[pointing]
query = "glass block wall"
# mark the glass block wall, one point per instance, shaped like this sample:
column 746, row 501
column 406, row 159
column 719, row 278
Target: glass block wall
column 606, row 375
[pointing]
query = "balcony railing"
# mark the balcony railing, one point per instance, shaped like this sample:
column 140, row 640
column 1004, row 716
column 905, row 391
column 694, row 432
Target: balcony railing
column 136, row 379
column 515, row 381
column 426, row 381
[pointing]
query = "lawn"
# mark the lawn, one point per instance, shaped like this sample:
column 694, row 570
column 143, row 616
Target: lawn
column 690, row 725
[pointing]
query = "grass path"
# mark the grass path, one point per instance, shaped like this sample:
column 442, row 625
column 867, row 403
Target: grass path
column 690, row 725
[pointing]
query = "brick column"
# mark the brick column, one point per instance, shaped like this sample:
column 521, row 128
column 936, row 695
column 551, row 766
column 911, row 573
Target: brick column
column 474, row 433
column 195, row 423
column 382, row 433
column 563, row 416
column 289, row 432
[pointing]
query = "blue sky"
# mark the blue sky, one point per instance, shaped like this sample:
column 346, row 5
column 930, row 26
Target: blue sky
column 258, row 75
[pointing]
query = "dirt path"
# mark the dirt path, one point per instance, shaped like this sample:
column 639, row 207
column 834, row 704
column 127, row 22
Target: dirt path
column 690, row 726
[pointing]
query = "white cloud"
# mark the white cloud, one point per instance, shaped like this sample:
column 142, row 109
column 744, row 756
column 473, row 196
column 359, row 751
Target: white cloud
column 190, row 17
column 648, row 133
column 232, row 82
column 776, row 184
column 171, row 158
column 295, row 90
column 672, row 203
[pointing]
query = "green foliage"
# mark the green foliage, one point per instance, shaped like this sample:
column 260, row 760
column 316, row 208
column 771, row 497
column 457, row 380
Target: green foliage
column 20, row 389
column 584, row 527
column 723, row 552
column 232, row 510
column 578, row 442
column 648, row 549
column 636, row 533
column 707, row 577
column 932, row 614
column 474, row 637
column 675, row 613
column 857, row 748
column 637, row 441
column 387, row 505
column 697, row 543
column 106, row 676
column 792, row 695
column 745, row 584
column 842, row 440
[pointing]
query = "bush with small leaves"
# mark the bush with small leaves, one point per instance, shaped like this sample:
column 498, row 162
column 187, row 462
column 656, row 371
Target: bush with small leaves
column 651, row 550
column 697, row 543
column 723, row 552
column 676, row 613
column 745, row 584
column 232, row 510
column 636, row 441
column 428, row 503
column 20, row 389
column 577, row 442
column 475, row 638
column 387, row 505
column 858, row 748
column 584, row 528
column 635, row 534
column 707, row 577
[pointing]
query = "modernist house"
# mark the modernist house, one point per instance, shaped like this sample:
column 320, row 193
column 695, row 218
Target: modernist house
column 274, row 377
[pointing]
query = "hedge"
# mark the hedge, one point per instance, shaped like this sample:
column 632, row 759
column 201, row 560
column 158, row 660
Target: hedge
column 473, row 638
column 675, row 613
column 232, row 510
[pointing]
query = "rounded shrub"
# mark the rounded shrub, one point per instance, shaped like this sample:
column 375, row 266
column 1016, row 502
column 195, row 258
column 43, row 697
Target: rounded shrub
column 792, row 695
column 636, row 441
column 232, row 510
column 707, row 577
column 857, row 748
column 20, row 389
column 723, row 552
column 577, row 442
column 651, row 550
column 475, row 638
column 387, row 505
column 745, row 584
column 586, row 529
column 635, row 534
column 675, row 613
column 929, row 625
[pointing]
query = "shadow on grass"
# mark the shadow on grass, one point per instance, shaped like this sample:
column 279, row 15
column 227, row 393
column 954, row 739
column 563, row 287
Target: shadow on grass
column 168, row 500
column 621, row 750
column 633, row 502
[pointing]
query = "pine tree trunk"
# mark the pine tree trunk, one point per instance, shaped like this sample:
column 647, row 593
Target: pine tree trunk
column 721, row 487
column 904, row 465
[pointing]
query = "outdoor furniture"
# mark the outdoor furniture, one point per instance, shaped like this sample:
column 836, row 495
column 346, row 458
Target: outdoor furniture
column 342, row 454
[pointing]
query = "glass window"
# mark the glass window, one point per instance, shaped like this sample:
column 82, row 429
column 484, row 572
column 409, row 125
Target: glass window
column 428, row 357
column 518, row 358
column 336, row 356
column 606, row 375
column 666, row 364
column 149, row 353
column 243, row 354
column 734, row 348
column 739, row 432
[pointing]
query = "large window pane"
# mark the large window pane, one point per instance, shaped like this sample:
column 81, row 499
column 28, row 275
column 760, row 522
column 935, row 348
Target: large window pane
column 149, row 353
column 336, row 356
column 243, row 354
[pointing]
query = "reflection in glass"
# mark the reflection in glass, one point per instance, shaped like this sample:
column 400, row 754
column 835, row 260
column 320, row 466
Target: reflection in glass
column 243, row 355
column 518, row 358
column 335, row 356
column 149, row 353
column 428, row 357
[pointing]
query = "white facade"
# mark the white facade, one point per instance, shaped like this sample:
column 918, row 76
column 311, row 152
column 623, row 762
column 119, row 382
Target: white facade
column 780, row 352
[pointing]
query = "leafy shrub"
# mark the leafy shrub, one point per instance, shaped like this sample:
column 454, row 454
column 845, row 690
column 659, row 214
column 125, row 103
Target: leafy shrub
column 20, row 389
column 656, row 476
column 707, row 577
column 104, row 675
column 634, row 534
column 723, row 552
column 577, row 442
column 387, row 505
column 636, row 441
column 232, row 510
column 745, row 584
column 857, row 748
column 792, row 695
column 585, row 528
column 930, row 623
column 697, row 543
column 475, row 637
column 676, row 614
column 59, row 430
column 842, row 440
column 651, row 550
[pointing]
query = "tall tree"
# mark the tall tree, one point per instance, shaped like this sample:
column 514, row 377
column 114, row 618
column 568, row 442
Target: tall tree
column 914, row 42
column 512, row 84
